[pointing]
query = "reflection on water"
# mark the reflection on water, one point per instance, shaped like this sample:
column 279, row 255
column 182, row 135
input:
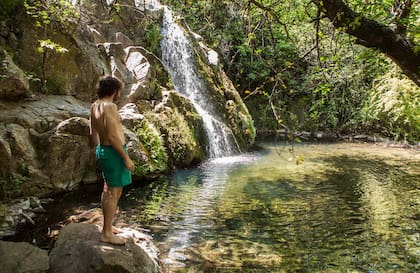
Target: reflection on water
column 346, row 208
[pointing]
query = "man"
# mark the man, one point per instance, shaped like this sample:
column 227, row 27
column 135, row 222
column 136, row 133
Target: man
column 107, row 135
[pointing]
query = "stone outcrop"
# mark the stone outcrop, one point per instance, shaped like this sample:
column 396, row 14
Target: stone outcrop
column 13, row 81
column 23, row 258
column 78, row 249
column 44, row 144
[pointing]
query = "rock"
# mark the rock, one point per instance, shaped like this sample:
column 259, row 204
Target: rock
column 45, row 144
column 134, row 147
column 74, row 126
column 13, row 81
column 182, row 129
column 68, row 155
column 130, row 114
column 22, row 258
column 44, row 139
column 5, row 153
column 20, row 142
column 141, row 71
column 123, row 39
column 19, row 211
column 78, row 249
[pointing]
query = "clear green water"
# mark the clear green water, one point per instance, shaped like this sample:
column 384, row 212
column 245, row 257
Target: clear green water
column 345, row 208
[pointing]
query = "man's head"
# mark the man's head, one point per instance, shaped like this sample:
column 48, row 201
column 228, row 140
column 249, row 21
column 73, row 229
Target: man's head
column 108, row 86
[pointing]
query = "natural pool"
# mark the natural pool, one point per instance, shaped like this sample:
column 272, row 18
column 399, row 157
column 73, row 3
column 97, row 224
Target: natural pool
column 345, row 208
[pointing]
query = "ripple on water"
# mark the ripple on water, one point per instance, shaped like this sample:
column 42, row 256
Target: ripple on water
column 345, row 208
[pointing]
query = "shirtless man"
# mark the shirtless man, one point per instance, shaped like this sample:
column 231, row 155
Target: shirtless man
column 107, row 135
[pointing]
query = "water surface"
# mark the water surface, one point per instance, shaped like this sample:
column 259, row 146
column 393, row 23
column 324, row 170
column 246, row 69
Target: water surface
column 343, row 208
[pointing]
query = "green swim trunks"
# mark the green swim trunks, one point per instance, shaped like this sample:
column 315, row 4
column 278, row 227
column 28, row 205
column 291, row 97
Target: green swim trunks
column 112, row 166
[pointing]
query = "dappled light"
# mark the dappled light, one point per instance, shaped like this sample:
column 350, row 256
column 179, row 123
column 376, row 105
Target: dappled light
column 345, row 207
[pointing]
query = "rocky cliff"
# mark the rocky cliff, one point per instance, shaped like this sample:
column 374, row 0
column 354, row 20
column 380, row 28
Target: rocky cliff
column 48, row 75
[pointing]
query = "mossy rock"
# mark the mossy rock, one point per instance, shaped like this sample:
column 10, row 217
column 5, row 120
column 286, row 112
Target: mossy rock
column 153, row 147
column 182, row 129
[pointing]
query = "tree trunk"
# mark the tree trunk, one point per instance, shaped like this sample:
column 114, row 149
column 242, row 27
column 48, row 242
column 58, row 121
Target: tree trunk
column 372, row 34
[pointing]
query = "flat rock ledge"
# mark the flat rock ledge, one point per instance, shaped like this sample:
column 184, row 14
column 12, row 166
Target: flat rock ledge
column 78, row 249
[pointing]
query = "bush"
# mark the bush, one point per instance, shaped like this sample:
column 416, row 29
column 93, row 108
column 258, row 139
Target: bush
column 9, row 187
column 8, row 7
column 153, row 146
column 393, row 107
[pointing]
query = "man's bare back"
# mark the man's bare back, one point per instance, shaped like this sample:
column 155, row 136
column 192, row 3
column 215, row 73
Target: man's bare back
column 106, row 120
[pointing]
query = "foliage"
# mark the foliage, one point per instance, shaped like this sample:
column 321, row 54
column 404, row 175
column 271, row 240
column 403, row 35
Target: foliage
column 61, row 13
column 8, row 7
column 394, row 107
column 56, row 14
column 10, row 187
column 45, row 48
column 153, row 37
column 153, row 147
column 294, row 71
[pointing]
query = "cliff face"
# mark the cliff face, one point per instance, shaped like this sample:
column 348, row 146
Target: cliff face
column 47, row 82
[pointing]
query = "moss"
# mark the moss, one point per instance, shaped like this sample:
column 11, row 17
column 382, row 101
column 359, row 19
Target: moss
column 9, row 8
column 181, row 138
column 153, row 147
column 153, row 37
column 10, row 186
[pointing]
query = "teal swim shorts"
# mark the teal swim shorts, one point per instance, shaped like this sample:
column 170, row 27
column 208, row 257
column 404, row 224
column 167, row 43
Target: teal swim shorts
column 112, row 165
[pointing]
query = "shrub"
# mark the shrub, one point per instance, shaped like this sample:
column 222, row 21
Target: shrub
column 394, row 107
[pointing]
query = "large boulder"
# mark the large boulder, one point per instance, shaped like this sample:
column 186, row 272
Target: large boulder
column 78, row 249
column 22, row 258
column 68, row 157
column 182, row 129
column 13, row 81
column 45, row 144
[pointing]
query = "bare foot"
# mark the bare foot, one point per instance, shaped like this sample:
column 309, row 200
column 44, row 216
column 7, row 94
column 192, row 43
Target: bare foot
column 113, row 239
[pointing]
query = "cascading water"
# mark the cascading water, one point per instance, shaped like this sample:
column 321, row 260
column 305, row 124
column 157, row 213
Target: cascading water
column 178, row 56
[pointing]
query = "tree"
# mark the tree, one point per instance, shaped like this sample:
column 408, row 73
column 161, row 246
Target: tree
column 390, row 39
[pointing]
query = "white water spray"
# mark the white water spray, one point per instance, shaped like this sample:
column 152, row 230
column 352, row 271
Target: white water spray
column 178, row 56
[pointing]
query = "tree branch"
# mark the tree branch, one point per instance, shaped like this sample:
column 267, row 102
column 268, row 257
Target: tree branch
column 400, row 10
column 272, row 13
column 373, row 34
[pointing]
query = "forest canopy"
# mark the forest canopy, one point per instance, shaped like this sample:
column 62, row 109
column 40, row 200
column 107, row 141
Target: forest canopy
column 338, row 66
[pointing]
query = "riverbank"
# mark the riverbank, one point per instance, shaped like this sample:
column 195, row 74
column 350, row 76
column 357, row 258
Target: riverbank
column 58, row 238
column 322, row 136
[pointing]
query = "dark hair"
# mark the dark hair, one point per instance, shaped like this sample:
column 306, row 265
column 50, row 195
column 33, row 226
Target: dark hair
column 108, row 86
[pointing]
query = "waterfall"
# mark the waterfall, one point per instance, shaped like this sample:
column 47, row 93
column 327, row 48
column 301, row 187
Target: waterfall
column 178, row 56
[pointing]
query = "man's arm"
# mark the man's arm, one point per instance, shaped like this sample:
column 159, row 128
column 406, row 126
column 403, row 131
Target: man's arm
column 112, row 124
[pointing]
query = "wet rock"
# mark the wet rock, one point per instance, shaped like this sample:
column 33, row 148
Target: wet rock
column 78, row 249
column 22, row 258
column 19, row 211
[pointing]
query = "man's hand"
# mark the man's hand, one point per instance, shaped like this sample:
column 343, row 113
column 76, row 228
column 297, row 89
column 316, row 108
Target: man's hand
column 129, row 164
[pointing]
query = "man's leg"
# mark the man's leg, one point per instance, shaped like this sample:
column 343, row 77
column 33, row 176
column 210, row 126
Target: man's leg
column 110, row 197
